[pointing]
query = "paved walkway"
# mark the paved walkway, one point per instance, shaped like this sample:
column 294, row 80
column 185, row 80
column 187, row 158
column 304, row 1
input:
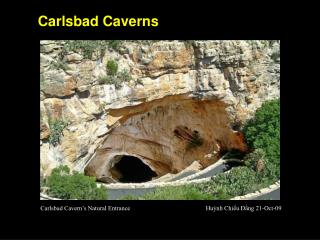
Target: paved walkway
column 274, row 195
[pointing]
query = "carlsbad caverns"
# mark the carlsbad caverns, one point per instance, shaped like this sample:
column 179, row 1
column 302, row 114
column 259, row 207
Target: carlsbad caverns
column 182, row 104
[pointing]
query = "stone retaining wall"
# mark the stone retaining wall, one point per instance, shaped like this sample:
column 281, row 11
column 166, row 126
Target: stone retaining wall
column 258, row 193
column 215, row 165
column 152, row 185
column 46, row 197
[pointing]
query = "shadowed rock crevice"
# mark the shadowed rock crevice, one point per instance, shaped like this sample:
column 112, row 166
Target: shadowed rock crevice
column 130, row 169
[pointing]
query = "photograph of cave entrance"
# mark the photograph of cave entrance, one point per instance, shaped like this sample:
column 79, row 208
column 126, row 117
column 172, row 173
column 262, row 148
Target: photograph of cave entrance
column 160, row 120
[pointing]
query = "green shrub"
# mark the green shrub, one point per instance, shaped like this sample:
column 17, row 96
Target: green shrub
column 105, row 80
column 59, row 64
column 56, row 129
column 275, row 56
column 114, row 44
column 124, row 76
column 263, row 132
column 65, row 185
column 112, row 67
column 113, row 77
column 111, row 80
column 252, row 159
column 238, row 181
column 185, row 192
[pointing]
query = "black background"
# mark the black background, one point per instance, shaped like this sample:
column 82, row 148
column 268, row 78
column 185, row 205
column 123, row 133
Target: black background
column 20, row 214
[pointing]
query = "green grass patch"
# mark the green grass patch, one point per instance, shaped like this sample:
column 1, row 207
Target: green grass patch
column 185, row 192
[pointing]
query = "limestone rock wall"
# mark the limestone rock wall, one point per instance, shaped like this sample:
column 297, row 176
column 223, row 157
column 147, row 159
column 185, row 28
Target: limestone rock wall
column 206, row 86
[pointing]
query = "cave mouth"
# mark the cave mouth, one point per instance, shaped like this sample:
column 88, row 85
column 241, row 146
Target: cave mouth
column 130, row 169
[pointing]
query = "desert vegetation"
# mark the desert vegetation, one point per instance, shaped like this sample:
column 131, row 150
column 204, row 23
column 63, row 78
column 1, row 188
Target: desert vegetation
column 64, row 184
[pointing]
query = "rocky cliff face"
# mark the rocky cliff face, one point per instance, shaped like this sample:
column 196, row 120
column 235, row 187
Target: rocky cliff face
column 184, row 102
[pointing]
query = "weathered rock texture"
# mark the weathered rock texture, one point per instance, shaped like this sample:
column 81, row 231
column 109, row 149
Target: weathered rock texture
column 160, row 133
column 179, row 90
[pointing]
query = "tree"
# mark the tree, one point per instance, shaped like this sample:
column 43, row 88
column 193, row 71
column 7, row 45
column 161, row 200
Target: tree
column 263, row 131
column 66, row 185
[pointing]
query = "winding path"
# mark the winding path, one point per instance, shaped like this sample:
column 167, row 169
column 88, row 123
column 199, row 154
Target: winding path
column 117, row 191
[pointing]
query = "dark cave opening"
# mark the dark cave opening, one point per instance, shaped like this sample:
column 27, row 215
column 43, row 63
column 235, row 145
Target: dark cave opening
column 132, row 170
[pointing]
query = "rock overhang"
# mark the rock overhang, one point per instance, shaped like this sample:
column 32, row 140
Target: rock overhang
column 167, row 134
